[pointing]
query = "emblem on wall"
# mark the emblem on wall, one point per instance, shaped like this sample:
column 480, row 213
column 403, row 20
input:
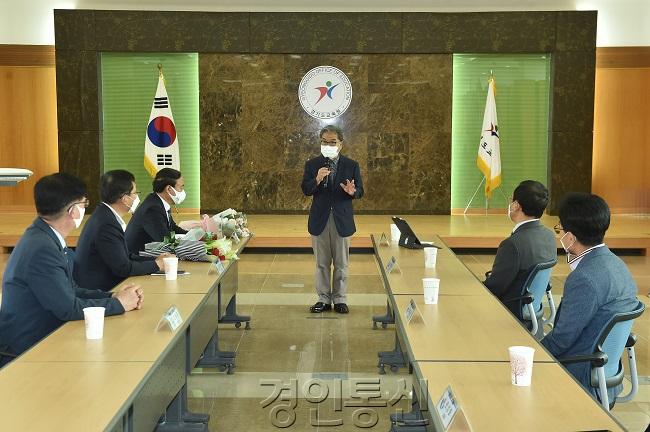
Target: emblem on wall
column 325, row 92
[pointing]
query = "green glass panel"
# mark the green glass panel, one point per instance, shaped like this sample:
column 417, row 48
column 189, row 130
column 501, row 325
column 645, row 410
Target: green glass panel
column 129, row 84
column 522, row 98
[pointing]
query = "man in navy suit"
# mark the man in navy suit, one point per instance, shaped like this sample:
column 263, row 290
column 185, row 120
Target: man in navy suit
column 598, row 287
column 102, row 259
column 333, row 181
column 39, row 293
column 152, row 221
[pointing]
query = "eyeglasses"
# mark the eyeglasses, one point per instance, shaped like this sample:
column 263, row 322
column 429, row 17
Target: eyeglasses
column 132, row 193
column 558, row 228
column 85, row 203
column 329, row 143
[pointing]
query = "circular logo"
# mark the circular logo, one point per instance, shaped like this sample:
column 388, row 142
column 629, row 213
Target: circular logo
column 325, row 92
column 161, row 132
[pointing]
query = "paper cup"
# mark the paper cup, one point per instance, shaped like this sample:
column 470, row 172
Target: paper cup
column 431, row 287
column 171, row 268
column 94, row 318
column 430, row 255
column 394, row 233
column 521, row 365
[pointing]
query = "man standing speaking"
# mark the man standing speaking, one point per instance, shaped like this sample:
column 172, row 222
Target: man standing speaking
column 333, row 181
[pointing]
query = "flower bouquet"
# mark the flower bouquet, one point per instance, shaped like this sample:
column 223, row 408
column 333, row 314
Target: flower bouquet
column 196, row 245
column 228, row 223
column 232, row 223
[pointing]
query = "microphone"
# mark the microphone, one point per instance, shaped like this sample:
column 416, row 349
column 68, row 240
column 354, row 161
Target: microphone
column 328, row 165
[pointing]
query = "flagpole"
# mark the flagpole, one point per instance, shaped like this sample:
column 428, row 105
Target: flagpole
column 504, row 196
column 474, row 195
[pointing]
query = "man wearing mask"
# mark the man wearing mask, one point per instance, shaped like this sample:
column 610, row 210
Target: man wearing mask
column 333, row 181
column 39, row 293
column 529, row 244
column 598, row 287
column 102, row 259
column 152, row 221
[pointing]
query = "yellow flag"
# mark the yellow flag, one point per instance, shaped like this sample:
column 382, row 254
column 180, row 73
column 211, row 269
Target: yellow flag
column 489, row 152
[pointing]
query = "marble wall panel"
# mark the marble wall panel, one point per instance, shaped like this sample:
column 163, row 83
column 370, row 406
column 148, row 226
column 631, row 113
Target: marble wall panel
column 169, row 31
column 479, row 32
column 570, row 165
column 400, row 68
column 81, row 155
column 253, row 125
column 326, row 32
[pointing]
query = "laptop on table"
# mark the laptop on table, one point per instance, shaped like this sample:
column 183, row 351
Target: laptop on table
column 407, row 237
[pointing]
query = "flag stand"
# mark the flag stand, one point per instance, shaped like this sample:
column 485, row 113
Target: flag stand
column 474, row 195
column 486, row 198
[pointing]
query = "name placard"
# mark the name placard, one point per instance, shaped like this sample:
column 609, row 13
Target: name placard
column 411, row 310
column 383, row 240
column 171, row 318
column 413, row 313
column 217, row 267
column 447, row 407
column 392, row 265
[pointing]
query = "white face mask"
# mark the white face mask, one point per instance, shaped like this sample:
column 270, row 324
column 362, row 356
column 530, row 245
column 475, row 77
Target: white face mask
column 329, row 152
column 134, row 204
column 77, row 221
column 179, row 197
column 571, row 261
column 510, row 213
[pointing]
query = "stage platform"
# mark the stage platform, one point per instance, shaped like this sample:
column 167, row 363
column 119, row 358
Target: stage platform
column 286, row 232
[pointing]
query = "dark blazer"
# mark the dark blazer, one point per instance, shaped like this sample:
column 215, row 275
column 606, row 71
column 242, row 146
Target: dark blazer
column 39, row 293
column 334, row 199
column 532, row 243
column 149, row 224
column 600, row 287
column 102, row 259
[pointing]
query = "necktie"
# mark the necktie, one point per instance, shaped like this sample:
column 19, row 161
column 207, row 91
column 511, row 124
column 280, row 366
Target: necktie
column 169, row 218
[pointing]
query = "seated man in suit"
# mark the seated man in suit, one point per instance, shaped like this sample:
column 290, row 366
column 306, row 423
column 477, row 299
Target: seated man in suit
column 599, row 285
column 529, row 244
column 102, row 259
column 39, row 293
column 152, row 221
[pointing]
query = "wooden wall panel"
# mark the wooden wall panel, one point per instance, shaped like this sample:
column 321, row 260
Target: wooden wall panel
column 28, row 126
column 26, row 55
column 621, row 155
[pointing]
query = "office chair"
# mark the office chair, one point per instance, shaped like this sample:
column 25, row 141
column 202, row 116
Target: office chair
column 531, row 311
column 613, row 339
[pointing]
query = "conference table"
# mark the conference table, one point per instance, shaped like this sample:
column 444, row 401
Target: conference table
column 462, row 343
column 136, row 375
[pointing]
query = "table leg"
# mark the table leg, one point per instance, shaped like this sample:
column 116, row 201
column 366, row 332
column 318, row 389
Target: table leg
column 214, row 358
column 174, row 419
column 412, row 421
column 389, row 318
column 231, row 316
column 394, row 359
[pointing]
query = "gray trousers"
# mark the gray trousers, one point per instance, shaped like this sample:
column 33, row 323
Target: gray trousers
column 329, row 247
